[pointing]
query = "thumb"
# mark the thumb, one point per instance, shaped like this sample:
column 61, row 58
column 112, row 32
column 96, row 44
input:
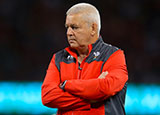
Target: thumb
column 103, row 75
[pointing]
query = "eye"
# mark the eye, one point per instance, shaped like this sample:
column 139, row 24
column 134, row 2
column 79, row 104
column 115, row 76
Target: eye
column 74, row 27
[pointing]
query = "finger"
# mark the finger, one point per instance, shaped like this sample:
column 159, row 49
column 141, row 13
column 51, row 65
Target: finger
column 106, row 72
column 103, row 75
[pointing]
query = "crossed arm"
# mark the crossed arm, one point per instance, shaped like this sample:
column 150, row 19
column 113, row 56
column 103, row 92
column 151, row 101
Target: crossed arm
column 54, row 97
column 79, row 93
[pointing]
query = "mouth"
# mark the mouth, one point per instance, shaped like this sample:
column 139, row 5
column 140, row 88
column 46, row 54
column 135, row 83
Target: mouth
column 71, row 40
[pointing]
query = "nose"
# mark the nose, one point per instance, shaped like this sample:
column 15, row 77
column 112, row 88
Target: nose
column 69, row 31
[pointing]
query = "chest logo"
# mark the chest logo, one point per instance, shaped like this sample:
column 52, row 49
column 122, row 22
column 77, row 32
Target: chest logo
column 69, row 57
column 96, row 54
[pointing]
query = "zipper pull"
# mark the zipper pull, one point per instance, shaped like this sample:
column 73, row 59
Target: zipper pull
column 79, row 68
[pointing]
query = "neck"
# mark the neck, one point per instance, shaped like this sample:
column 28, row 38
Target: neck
column 95, row 38
column 82, row 53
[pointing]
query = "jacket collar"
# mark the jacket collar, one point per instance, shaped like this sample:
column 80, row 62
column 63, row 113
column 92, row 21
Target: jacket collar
column 97, row 43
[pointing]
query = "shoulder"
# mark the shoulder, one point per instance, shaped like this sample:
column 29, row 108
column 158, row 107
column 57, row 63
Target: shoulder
column 110, row 51
column 109, row 48
column 58, row 57
column 60, row 54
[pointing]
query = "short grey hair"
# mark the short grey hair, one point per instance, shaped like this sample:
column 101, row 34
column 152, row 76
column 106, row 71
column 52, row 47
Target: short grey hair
column 92, row 14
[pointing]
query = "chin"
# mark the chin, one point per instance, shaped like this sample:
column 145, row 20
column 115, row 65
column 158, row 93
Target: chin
column 73, row 45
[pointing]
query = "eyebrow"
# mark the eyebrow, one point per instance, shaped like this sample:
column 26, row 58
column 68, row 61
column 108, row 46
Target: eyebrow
column 71, row 25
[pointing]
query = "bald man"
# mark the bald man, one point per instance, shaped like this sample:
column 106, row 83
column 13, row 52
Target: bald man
column 88, row 77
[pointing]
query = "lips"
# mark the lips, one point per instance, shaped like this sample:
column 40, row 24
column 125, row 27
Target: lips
column 71, row 40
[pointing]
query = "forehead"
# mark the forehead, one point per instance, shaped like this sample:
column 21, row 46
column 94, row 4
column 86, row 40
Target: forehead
column 74, row 19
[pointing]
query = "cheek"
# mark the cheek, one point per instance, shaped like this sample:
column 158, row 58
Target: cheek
column 84, row 41
column 83, row 37
column 86, row 38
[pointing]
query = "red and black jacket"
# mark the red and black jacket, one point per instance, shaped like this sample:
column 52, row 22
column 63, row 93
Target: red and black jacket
column 84, row 92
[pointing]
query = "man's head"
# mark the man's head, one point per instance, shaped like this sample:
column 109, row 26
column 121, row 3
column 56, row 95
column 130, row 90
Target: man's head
column 83, row 25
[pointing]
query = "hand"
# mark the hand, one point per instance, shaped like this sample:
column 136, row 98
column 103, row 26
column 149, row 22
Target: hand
column 62, row 85
column 103, row 75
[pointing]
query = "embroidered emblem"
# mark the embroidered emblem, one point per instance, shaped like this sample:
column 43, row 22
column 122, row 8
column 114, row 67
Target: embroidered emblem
column 96, row 54
column 70, row 57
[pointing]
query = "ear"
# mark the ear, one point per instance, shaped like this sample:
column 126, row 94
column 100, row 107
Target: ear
column 94, row 28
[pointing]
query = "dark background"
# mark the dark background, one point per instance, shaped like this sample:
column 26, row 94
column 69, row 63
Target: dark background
column 32, row 30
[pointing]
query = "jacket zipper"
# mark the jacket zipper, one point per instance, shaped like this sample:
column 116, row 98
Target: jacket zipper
column 79, row 71
column 80, row 66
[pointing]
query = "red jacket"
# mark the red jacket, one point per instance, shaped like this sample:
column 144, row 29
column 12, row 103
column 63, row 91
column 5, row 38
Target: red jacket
column 84, row 93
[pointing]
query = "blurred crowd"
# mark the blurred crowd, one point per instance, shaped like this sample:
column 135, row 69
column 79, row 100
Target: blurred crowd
column 32, row 30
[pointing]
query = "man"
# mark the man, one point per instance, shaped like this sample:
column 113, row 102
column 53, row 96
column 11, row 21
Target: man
column 88, row 77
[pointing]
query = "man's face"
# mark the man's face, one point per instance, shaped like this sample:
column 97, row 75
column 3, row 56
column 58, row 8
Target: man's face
column 78, row 31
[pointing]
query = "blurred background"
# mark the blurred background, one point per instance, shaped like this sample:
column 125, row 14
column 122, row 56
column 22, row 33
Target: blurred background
column 32, row 30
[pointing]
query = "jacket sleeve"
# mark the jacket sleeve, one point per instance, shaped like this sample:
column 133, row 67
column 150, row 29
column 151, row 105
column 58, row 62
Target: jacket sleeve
column 98, row 89
column 54, row 97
